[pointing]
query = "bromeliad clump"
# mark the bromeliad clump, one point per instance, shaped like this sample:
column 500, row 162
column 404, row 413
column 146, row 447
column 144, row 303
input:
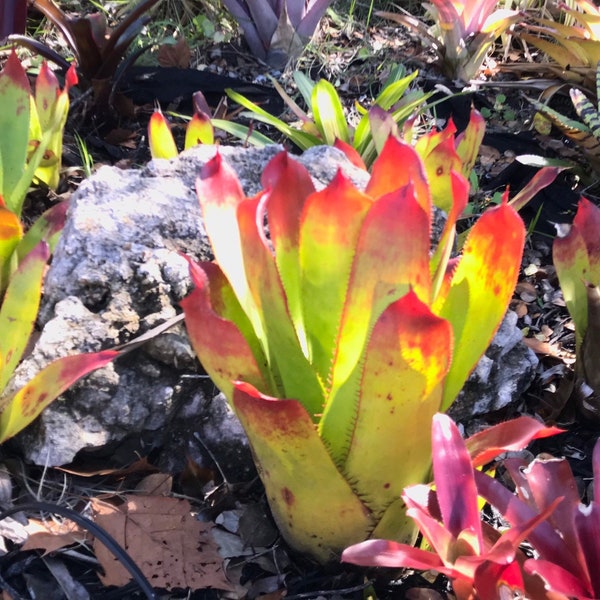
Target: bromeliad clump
column 338, row 339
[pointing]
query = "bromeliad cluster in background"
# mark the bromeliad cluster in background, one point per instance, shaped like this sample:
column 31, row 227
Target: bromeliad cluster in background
column 98, row 51
column 277, row 30
column 385, row 348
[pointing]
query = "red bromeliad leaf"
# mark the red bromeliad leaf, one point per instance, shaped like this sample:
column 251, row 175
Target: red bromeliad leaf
column 406, row 360
column 45, row 387
column 351, row 154
column 558, row 579
column 495, row 581
column 547, row 479
column 292, row 373
column 293, row 464
column 387, row 177
column 160, row 138
column 455, row 485
column 199, row 131
column 418, row 499
column 379, row 276
column 544, row 538
column 511, row 435
column 19, row 310
column 289, row 185
column 384, row 553
column 587, row 524
column 330, row 225
column 14, row 124
column 220, row 332
column 481, row 289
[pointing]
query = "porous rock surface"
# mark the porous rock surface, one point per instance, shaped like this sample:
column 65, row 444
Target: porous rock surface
column 118, row 271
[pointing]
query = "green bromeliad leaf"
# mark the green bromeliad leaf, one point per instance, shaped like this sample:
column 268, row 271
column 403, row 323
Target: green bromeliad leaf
column 577, row 259
column 481, row 289
column 19, row 310
column 407, row 358
column 14, row 125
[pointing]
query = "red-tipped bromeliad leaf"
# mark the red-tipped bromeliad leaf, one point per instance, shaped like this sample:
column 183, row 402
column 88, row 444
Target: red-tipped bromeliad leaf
column 199, row 131
column 386, row 176
column 439, row 156
column 381, row 274
column 292, row 373
column 330, row 225
column 576, row 256
column 289, row 185
column 160, row 138
column 220, row 332
column 312, row 502
column 481, row 289
column 407, row 358
column 15, row 94
column 45, row 387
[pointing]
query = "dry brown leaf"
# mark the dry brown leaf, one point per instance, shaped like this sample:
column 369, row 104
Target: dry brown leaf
column 175, row 55
column 171, row 547
column 157, row 484
column 139, row 466
column 50, row 536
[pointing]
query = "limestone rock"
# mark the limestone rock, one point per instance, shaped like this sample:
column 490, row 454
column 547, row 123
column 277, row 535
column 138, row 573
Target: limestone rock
column 118, row 272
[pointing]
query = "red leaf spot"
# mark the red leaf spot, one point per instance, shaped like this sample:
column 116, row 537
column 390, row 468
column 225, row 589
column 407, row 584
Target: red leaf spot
column 31, row 401
column 386, row 486
column 389, row 397
column 439, row 171
column 288, row 496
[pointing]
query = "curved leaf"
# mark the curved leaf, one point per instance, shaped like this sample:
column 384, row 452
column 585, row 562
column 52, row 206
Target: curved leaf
column 481, row 289
column 406, row 360
column 293, row 463
column 45, row 387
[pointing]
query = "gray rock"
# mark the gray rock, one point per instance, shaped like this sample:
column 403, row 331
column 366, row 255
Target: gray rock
column 504, row 372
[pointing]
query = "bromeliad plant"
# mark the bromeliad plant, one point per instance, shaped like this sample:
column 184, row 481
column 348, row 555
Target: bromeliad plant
column 573, row 47
column 463, row 34
column 98, row 51
column 32, row 129
column 481, row 563
column 329, row 125
column 18, row 312
column 584, row 133
column 576, row 255
column 338, row 339
column 162, row 144
column 277, row 30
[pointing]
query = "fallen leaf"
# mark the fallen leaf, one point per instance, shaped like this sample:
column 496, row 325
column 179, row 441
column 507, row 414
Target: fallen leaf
column 175, row 55
column 50, row 536
column 139, row 466
column 171, row 547
column 157, row 484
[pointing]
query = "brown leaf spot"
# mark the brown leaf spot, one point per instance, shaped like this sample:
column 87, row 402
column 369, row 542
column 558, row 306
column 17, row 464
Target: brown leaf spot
column 288, row 496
